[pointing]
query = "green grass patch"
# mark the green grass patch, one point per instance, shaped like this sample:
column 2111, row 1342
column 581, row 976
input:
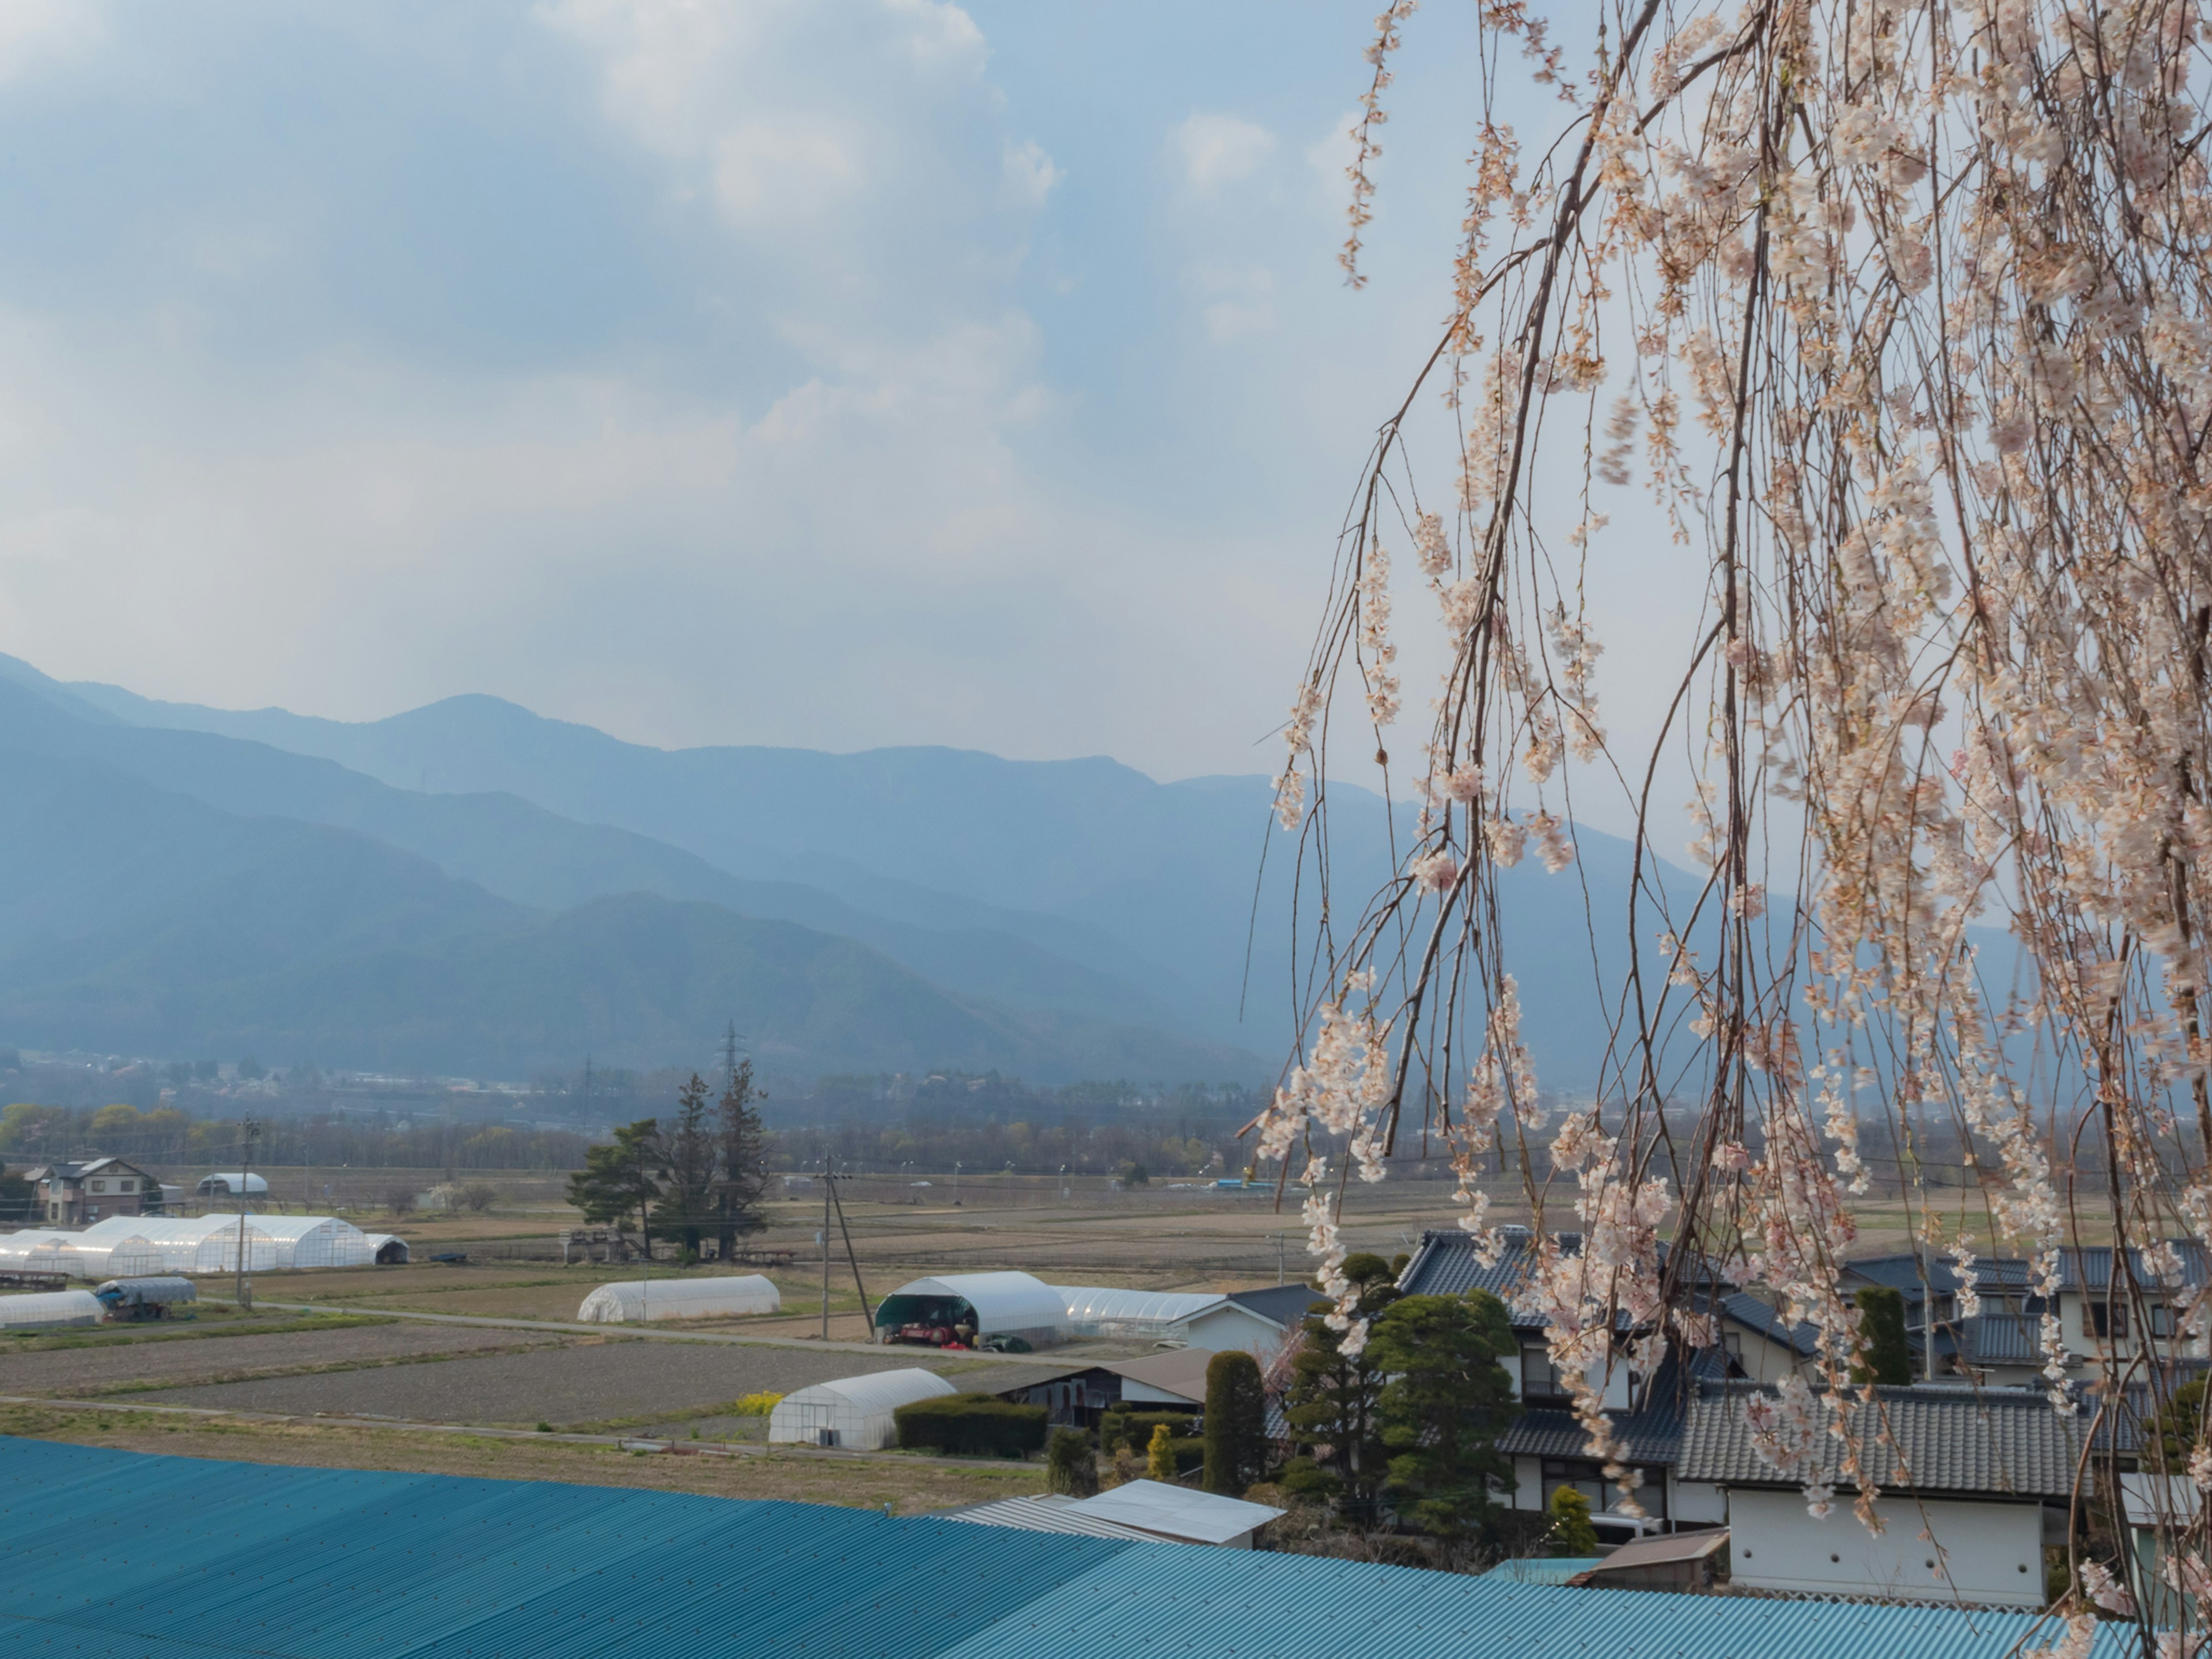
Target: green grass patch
column 185, row 1331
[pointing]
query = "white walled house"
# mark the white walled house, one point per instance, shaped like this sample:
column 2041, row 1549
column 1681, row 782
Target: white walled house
column 1986, row 1472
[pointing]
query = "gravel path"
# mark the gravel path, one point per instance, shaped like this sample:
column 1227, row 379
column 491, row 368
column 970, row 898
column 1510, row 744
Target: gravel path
column 186, row 1359
column 589, row 1382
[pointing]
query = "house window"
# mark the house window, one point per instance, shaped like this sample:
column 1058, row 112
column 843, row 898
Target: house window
column 128, row 1186
column 1539, row 1377
column 2159, row 1318
column 98, row 1186
column 2109, row 1320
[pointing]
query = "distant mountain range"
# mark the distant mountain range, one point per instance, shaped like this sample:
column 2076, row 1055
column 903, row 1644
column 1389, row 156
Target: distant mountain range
column 471, row 888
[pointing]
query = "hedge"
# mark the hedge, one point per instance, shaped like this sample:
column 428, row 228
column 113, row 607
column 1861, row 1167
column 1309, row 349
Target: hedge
column 971, row 1425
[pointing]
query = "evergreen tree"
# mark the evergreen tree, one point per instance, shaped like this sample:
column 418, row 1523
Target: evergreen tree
column 687, row 1153
column 741, row 1172
column 620, row 1178
column 1571, row 1533
column 2178, row 1427
column 1447, row 1402
column 1888, row 1355
column 1236, row 1423
column 1159, row 1456
column 1334, row 1396
column 1071, row 1467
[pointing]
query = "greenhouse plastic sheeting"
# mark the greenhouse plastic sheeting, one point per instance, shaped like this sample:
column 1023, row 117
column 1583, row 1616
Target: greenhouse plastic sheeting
column 1103, row 1310
column 631, row 1300
column 119, row 1553
column 856, row 1411
column 43, row 1309
column 1001, row 1303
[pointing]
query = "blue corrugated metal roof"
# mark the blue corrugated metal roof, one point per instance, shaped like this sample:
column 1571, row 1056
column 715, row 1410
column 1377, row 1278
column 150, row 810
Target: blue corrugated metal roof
column 115, row 1553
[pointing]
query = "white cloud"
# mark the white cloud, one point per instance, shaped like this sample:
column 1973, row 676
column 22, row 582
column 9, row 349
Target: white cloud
column 1332, row 153
column 1241, row 299
column 940, row 35
column 36, row 32
column 1221, row 149
column 1030, row 173
column 767, row 174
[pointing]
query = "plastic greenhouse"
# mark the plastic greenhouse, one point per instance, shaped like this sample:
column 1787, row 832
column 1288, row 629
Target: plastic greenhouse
column 1102, row 1310
column 314, row 1241
column 46, row 1309
column 629, row 1301
column 966, row 1308
column 386, row 1249
column 853, row 1411
column 35, row 1250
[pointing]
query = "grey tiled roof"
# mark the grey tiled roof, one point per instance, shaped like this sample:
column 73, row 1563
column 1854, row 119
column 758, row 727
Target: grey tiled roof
column 1747, row 1309
column 2089, row 1267
column 1649, row 1437
column 1286, row 1305
column 2001, row 1339
column 1992, row 1274
column 1992, row 1442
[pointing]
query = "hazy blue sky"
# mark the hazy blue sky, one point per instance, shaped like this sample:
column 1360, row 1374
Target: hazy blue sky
column 811, row 373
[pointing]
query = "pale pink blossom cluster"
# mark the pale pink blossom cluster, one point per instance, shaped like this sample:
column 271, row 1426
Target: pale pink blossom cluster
column 1901, row 316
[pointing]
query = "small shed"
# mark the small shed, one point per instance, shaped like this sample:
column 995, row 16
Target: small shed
column 627, row 1301
column 145, row 1298
column 1685, row 1562
column 853, row 1411
column 47, row 1309
column 230, row 1186
column 963, row 1308
column 1178, row 1514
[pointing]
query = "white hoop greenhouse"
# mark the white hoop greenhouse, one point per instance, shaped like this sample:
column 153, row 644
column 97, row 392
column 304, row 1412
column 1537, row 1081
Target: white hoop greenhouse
column 627, row 1301
column 853, row 1411
column 985, row 1304
column 125, row 1246
column 46, row 1309
column 1103, row 1310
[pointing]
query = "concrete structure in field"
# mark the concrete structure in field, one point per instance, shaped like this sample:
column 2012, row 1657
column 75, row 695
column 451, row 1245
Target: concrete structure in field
column 121, row 1552
column 853, row 1413
column 73, row 1194
column 1987, row 1472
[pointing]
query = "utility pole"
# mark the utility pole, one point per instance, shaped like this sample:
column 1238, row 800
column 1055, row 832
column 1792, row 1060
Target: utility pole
column 1279, row 1276
column 245, row 1179
column 826, row 1178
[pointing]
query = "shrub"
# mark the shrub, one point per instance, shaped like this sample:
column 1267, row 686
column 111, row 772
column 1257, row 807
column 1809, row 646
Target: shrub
column 477, row 1195
column 1133, row 1429
column 971, row 1425
column 1071, row 1467
column 755, row 1405
column 1888, row 1353
column 1572, row 1535
column 399, row 1199
column 1159, row 1455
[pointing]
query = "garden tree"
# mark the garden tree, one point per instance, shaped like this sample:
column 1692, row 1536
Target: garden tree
column 1159, row 1455
column 741, row 1166
column 1888, row 1354
column 16, row 1196
column 1236, row 1423
column 686, row 1153
column 1071, row 1467
column 1447, row 1402
column 1336, row 1387
column 1571, row 1533
column 2178, row 1430
column 1902, row 315
column 620, row 1178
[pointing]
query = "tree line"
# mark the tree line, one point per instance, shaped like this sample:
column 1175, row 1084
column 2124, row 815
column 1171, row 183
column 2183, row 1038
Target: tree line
column 167, row 1136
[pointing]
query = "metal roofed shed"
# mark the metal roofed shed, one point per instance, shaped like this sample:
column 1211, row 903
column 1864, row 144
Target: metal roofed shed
column 145, row 1298
column 1685, row 1562
column 1177, row 1378
column 43, row 1311
column 1050, row 1512
column 962, row 1309
column 338, row 1563
column 627, row 1301
column 853, row 1411
column 1180, row 1515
